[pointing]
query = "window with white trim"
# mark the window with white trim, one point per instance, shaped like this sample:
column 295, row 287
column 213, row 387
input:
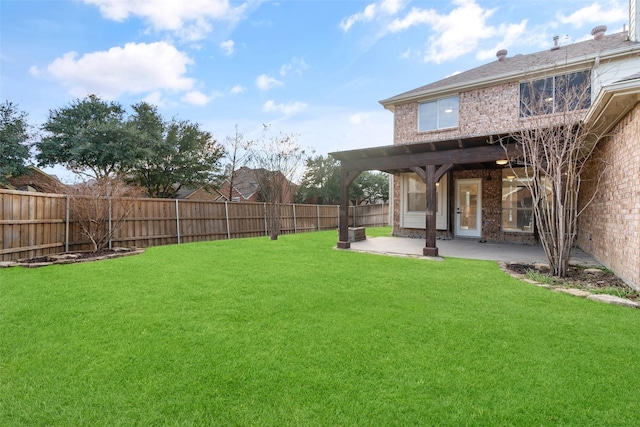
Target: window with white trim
column 439, row 114
column 517, row 202
column 414, row 202
column 417, row 194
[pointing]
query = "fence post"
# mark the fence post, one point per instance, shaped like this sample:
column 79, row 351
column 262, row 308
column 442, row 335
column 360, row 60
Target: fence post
column 178, row 221
column 318, row 215
column 110, row 224
column 266, row 232
column 66, row 227
column 295, row 223
column 226, row 215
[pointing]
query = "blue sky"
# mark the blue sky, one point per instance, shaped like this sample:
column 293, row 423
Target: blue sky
column 314, row 68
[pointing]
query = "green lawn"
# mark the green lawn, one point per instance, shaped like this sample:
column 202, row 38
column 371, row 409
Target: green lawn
column 254, row 332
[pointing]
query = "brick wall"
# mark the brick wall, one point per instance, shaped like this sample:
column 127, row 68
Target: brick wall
column 609, row 228
column 491, row 209
column 485, row 111
column 481, row 112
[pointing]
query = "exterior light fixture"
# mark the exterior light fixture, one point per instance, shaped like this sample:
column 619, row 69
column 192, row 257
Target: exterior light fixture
column 502, row 162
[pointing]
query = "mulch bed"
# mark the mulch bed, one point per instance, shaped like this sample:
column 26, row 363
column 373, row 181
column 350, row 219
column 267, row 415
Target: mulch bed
column 579, row 277
column 74, row 257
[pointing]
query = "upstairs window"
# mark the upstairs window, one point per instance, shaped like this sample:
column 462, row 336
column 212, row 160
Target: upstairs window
column 439, row 114
column 556, row 94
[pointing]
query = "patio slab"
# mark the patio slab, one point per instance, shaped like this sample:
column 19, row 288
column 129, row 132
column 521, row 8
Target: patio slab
column 467, row 248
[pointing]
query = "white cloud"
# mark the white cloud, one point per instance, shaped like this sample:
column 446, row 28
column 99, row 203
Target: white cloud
column 189, row 19
column 372, row 11
column 196, row 98
column 265, row 82
column 227, row 47
column 135, row 68
column 456, row 33
column 512, row 34
column 296, row 65
column 286, row 109
column 614, row 11
column 359, row 118
column 237, row 89
column 155, row 98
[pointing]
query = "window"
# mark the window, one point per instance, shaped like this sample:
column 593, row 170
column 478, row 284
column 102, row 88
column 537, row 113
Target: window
column 414, row 202
column 417, row 195
column 556, row 94
column 438, row 114
column 517, row 203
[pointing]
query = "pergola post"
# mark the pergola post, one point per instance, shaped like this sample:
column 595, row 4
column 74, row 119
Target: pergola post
column 430, row 176
column 430, row 248
column 346, row 178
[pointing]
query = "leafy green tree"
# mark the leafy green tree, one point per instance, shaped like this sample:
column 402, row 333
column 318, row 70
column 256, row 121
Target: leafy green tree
column 372, row 186
column 321, row 181
column 14, row 138
column 89, row 137
column 175, row 154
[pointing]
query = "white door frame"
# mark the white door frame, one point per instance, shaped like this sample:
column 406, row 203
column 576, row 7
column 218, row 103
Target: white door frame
column 461, row 230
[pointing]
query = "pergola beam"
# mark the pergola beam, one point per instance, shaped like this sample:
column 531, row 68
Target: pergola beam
column 488, row 153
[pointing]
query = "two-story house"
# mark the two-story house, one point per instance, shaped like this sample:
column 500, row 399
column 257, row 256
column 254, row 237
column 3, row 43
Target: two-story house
column 450, row 174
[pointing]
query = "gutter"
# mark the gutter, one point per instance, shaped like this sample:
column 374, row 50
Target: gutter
column 617, row 99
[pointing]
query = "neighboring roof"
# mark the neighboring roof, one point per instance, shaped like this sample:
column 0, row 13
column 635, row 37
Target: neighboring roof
column 245, row 182
column 184, row 193
column 515, row 66
column 36, row 180
column 198, row 193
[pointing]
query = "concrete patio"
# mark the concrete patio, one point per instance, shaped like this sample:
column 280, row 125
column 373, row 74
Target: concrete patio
column 466, row 248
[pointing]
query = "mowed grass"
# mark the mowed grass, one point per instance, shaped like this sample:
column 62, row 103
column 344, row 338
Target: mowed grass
column 253, row 332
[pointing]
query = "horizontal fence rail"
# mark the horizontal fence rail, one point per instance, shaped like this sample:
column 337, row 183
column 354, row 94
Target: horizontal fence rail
column 39, row 224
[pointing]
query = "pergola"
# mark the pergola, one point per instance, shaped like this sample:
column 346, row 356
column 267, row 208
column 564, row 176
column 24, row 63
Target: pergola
column 429, row 160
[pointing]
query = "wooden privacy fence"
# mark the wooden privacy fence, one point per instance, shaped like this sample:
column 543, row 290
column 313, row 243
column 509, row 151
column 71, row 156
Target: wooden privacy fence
column 38, row 224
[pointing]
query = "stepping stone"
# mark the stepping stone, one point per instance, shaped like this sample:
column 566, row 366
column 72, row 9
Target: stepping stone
column 7, row 264
column 612, row 299
column 574, row 292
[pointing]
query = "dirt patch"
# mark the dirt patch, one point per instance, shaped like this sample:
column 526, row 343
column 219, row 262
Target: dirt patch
column 588, row 279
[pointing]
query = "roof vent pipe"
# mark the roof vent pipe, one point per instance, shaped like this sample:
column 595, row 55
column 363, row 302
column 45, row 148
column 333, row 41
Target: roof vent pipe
column 556, row 46
column 502, row 55
column 598, row 32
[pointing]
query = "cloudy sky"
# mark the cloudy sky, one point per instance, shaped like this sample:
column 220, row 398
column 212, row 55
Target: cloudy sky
column 315, row 68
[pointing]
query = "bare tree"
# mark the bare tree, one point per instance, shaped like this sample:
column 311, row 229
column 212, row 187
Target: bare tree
column 100, row 208
column 237, row 154
column 555, row 144
column 277, row 160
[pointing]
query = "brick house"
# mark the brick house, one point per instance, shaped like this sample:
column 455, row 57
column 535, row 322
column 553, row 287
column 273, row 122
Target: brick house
column 246, row 185
column 35, row 180
column 448, row 180
column 200, row 194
